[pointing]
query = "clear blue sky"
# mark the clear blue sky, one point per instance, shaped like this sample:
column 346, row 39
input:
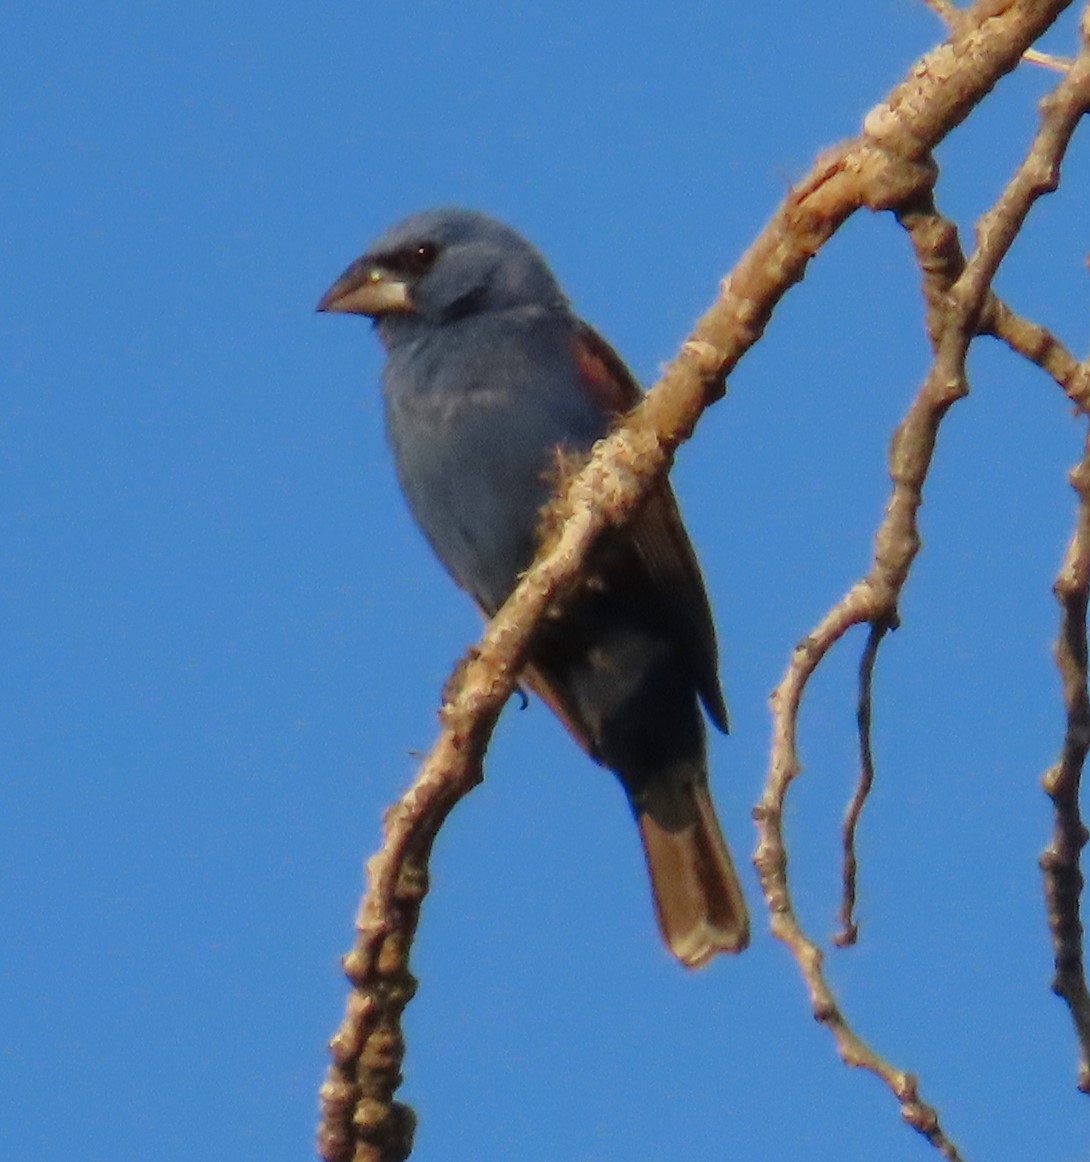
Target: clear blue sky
column 223, row 641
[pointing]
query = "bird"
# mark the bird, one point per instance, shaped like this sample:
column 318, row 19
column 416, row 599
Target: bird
column 490, row 381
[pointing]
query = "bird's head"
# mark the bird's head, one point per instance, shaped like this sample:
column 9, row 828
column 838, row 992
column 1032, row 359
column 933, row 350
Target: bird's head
column 441, row 265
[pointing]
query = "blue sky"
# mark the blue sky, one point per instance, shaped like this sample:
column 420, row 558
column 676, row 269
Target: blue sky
column 224, row 640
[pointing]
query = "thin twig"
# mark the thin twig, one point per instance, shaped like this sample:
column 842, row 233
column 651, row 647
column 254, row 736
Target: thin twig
column 1048, row 60
column 1063, row 882
column 952, row 324
column 941, row 260
column 1063, row 879
column 1060, row 112
column 872, row 599
column 849, row 928
column 1040, row 347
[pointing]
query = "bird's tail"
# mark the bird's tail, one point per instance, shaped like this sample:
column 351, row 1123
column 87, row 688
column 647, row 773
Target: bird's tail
column 698, row 899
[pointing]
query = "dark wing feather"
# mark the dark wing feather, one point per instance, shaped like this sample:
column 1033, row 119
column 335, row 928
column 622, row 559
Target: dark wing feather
column 656, row 531
column 665, row 551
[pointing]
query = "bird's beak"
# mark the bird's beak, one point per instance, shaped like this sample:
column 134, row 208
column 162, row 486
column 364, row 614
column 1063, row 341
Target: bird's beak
column 366, row 288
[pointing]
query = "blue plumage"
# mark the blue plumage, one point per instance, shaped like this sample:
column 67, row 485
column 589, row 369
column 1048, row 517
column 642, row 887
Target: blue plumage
column 489, row 378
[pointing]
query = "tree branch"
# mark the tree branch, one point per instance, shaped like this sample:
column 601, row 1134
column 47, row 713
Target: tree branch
column 849, row 929
column 1059, row 861
column 954, row 312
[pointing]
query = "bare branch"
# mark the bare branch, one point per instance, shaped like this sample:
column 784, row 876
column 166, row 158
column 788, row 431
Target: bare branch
column 1063, row 879
column 942, row 262
column 1040, row 347
column 1048, row 60
column 849, row 929
column 953, row 318
column 950, row 14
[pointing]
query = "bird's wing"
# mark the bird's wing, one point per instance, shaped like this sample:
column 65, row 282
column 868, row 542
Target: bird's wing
column 656, row 531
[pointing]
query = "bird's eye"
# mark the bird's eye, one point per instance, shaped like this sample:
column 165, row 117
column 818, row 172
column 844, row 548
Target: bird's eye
column 412, row 261
column 424, row 255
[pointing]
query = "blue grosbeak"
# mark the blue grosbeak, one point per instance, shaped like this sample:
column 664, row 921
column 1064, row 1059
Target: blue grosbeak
column 490, row 381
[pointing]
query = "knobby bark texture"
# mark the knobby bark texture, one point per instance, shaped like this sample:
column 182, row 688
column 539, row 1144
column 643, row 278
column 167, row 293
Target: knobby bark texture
column 888, row 166
column 960, row 306
column 1060, row 859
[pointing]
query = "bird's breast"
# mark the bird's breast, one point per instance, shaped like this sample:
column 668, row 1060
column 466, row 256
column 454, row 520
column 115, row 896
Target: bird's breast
column 475, row 421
